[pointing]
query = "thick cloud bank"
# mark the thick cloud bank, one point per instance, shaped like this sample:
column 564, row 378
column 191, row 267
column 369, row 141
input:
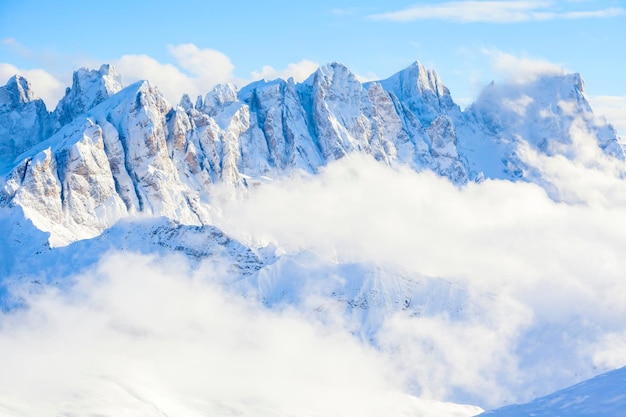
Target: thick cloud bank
column 551, row 262
column 521, row 287
column 141, row 336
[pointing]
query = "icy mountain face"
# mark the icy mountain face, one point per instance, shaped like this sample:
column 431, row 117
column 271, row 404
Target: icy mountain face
column 598, row 397
column 542, row 113
column 24, row 119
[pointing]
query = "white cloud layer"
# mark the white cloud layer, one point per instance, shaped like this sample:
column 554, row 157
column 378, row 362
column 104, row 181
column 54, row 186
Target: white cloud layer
column 138, row 336
column 492, row 12
column 554, row 269
column 613, row 108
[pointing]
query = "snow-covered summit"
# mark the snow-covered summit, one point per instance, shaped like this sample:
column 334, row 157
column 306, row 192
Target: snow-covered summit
column 422, row 91
column 89, row 88
column 220, row 96
column 16, row 91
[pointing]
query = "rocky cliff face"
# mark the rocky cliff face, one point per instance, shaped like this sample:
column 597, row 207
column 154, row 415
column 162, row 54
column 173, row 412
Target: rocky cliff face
column 117, row 152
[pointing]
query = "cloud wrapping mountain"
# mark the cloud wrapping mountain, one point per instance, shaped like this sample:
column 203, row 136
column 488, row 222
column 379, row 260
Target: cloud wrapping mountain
column 472, row 255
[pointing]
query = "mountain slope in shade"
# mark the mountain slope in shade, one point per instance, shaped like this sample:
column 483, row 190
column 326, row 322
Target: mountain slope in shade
column 602, row 396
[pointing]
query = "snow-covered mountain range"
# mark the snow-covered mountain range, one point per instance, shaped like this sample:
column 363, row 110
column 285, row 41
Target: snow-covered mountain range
column 107, row 152
column 119, row 168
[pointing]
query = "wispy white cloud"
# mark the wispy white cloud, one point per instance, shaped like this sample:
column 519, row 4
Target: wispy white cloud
column 610, row 12
column 196, row 70
column 299, row 71
column 520, row 68
column 613, row 108
column 492, row 12
column 16, row 47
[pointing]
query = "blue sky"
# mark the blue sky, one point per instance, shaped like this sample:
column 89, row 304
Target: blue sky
column 192, row 45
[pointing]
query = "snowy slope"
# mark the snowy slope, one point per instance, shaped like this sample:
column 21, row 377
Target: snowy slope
column 602, row 396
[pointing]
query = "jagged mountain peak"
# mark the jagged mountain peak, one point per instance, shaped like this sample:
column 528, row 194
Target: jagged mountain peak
column 17, row 90
column 154, row 159
column 541, row 112
column 423, row 78
column 219, row 97
column 24, row 119
column 246, row 92
column 329, row 72
column 422, row 91
column 334, row 81
column 549, row 97
column 89, row 88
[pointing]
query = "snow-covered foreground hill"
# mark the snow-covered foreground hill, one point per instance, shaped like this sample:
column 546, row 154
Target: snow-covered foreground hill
column 323, row 248
column 601, row 396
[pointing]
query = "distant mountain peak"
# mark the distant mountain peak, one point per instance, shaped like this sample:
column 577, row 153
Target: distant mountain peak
column 16, row 91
